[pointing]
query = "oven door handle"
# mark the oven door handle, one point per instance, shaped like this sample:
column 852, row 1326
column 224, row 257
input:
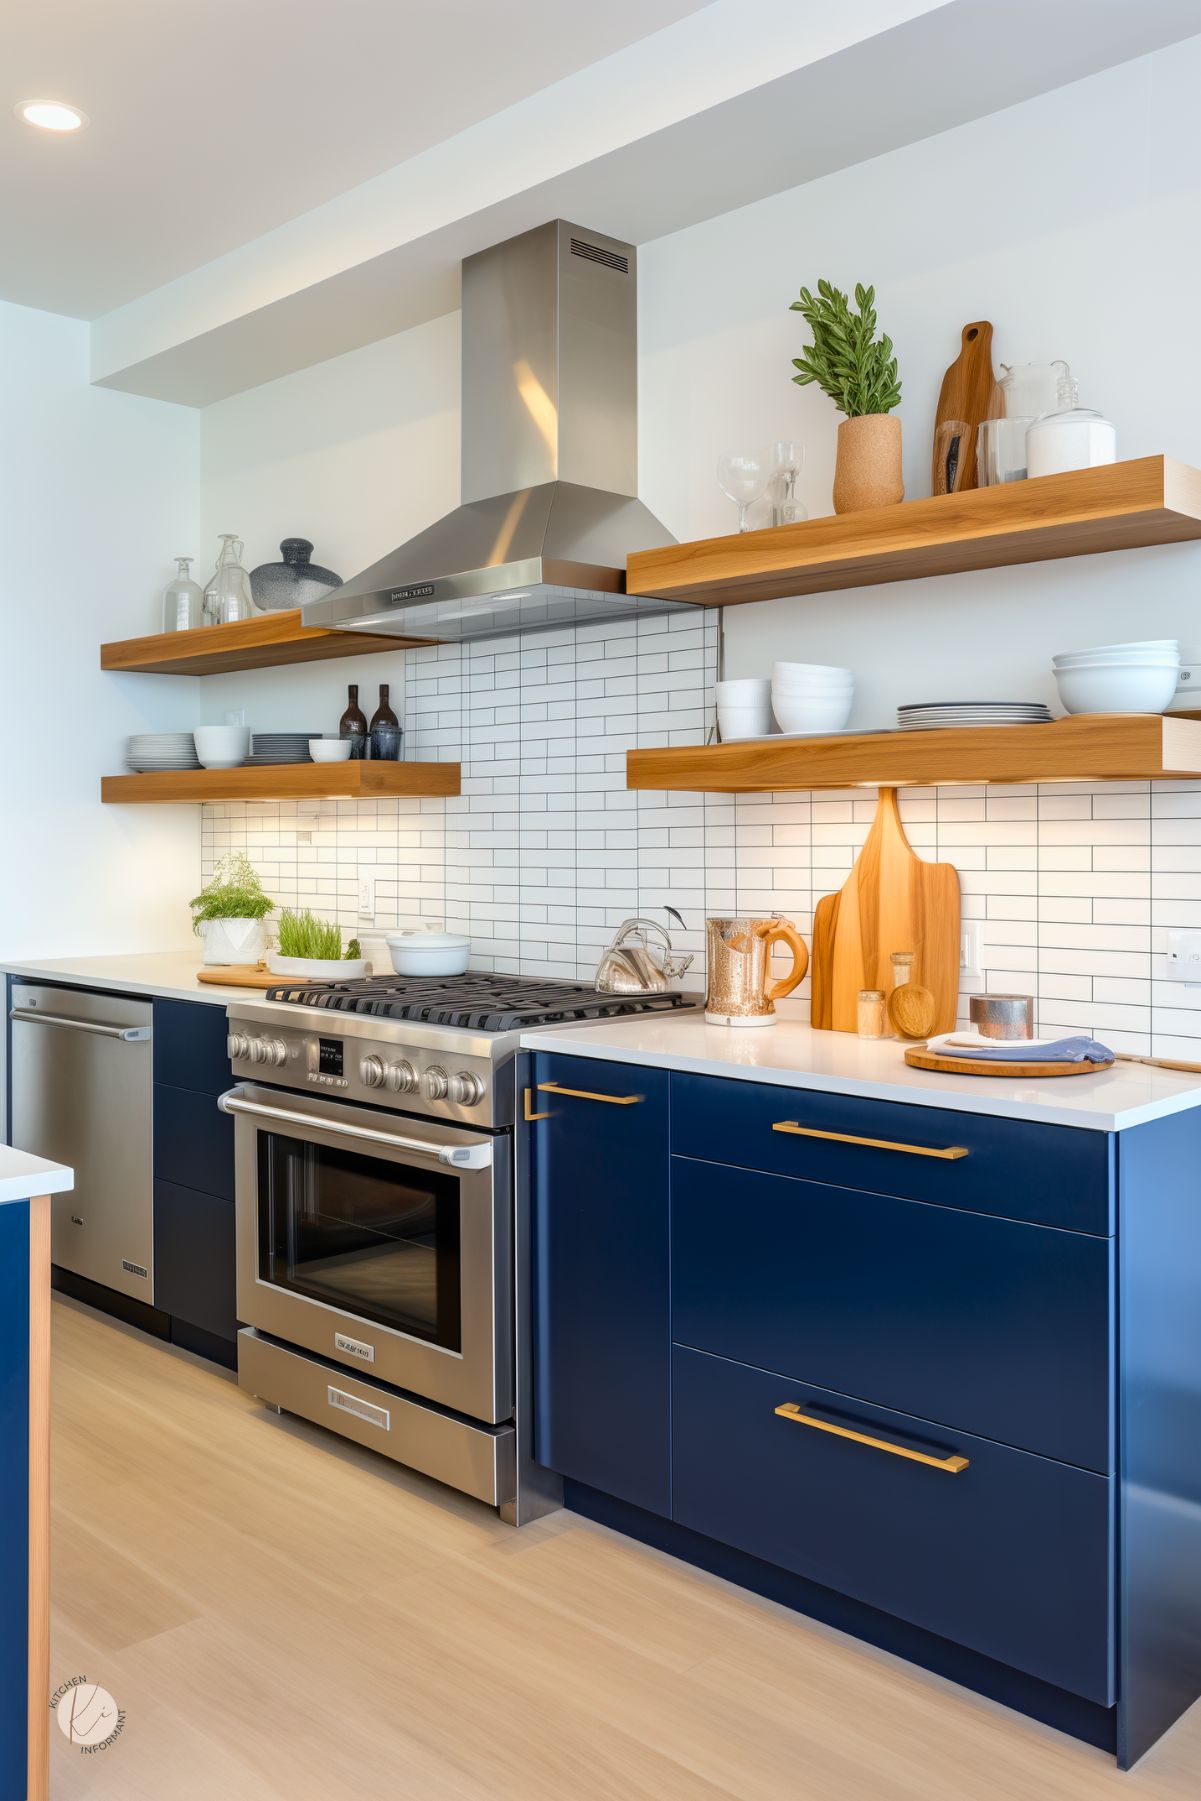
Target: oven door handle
column 458, row 1156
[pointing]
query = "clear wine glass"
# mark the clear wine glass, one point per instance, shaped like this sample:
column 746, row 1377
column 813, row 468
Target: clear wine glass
column 788, row 459
column 742, row 476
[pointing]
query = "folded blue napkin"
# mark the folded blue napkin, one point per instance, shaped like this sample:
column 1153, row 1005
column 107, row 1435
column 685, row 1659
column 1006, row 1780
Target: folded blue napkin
column 1064, row 1050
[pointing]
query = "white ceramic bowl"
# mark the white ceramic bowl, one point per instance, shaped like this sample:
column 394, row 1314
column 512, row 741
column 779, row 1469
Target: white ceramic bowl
column 222, row 746
column 329, row 750
column 1153, row 654
column 812, row 716
column 321, row 969
column 744, row 689
column 429, row 953
column 822, row 672
column 816, row 690
column 1112, row 688
column 1143, row 645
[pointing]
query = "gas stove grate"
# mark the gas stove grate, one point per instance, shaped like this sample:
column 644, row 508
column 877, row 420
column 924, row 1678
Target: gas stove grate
column 476, row 1002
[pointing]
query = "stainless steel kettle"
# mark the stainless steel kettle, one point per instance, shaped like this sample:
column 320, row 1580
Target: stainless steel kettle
column 633, row 965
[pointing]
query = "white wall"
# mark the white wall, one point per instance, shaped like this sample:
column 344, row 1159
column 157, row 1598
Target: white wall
column 97, row 490
column 1063, row 221
column 355, row 455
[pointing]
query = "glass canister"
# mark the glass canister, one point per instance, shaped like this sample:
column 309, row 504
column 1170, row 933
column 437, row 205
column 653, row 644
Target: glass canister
column 871, row 1015
column 1071, row 437
column 183, row 600
column 227, row 598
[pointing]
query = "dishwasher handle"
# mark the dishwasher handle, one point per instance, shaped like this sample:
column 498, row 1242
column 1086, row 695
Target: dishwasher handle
column 127, row 1034
column 457, row 1156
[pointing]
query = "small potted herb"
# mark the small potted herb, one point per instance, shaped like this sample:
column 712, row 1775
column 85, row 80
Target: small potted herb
column 859, row 373
column 309, row 946
column 230, row 912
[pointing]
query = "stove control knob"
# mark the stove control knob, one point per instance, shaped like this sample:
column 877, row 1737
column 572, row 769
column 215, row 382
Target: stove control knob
column 402, row 1077
column 258, row 1050
column 435, row 1083
column 276, row 1052
column 372, row 1072
column 238, row 1045
column 465, row 1088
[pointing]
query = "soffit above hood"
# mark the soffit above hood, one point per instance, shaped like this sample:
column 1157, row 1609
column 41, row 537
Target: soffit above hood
column 549, row 457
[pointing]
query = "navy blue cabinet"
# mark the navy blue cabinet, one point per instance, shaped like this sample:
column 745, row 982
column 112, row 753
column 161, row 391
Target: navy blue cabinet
column 598, row 1161
column 194, row 1259
column 985, row 1324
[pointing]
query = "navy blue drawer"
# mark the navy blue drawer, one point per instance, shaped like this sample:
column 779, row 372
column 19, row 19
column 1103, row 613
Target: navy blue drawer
column 194, row 1259
column 190, row 1046
column 1012, row 1556
column 1052, row 1175
column 193, row 1141
column 989, row 1325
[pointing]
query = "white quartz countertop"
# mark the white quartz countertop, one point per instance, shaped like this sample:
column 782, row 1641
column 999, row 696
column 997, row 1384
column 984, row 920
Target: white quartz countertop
column 22, row 1176
column 792, row 1055
column 168, row 974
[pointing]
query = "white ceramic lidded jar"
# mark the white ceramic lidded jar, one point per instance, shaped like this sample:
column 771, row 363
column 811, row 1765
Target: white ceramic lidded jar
column 1072, row 437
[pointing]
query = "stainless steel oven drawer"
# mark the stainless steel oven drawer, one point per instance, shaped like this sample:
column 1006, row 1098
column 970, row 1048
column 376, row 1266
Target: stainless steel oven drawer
column 480, row 1460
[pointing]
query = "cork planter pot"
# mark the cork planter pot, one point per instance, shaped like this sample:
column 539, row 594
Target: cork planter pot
column 867, row 472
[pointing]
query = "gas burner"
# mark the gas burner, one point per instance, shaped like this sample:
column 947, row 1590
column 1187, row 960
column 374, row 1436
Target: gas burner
column 478, row 1001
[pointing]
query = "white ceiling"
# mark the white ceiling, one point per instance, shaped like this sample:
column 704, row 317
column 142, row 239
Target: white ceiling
column 213, row 121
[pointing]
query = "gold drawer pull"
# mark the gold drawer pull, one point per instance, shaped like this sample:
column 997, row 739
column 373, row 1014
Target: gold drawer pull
column 950, row 1155
column 577, row 1094
column 952, row 1465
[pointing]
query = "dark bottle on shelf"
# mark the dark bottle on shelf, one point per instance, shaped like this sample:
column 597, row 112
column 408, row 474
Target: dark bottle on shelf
column 353, row 724
column 385, row 729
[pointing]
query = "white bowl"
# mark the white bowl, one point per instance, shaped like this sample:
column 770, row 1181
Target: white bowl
column 746, row 688
column 743, row 724
column 1141, row 644
column 818, row 691
column 330, row 750
column 1071, row 659
column 222, row 746
column 822, row 672
column 429, row 953
column 321, row 969
column 812, row 716
column 1113, row 689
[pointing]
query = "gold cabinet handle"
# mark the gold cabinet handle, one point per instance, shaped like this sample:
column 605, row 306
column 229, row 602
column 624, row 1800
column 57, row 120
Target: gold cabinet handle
column 585, row 1094
column 950, row 1155
column 952, row 1465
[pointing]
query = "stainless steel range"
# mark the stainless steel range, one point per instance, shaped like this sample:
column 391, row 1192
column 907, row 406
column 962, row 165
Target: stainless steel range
column 375, row 1218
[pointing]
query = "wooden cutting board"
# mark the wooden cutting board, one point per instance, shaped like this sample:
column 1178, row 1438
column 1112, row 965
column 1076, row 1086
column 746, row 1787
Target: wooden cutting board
column 891, row 901
column 969, row 392
column 984, row 1066
column 240, row 975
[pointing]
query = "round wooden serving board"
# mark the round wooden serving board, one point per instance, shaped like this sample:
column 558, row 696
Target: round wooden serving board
column 918, row 1058
column 240, row 975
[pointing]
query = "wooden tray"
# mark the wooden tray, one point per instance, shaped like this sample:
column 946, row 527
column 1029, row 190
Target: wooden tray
column 240, row 975
column 918, row 1058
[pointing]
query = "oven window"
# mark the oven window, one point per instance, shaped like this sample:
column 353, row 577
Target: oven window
column 379, row 1239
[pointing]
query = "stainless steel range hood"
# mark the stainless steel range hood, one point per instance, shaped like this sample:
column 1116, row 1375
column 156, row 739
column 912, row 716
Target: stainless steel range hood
column 550, row 457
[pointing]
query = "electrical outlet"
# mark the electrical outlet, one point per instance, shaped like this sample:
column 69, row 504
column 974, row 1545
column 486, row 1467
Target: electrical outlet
column 1184, row 957
column 367, row 897
column 971, row 947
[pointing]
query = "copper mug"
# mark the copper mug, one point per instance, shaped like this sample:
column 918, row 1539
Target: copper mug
column 740, row 991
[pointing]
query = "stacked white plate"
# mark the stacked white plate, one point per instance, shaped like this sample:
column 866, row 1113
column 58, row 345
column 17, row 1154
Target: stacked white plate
column 147, row 752
column 945, row 713
column 280, row 747
column 1119, row 678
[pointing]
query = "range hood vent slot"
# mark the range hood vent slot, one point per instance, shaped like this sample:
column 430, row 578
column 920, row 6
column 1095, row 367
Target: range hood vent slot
column 612, row 259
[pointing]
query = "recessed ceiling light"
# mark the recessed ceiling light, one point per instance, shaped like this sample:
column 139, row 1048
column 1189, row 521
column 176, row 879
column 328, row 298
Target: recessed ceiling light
column 51, row 115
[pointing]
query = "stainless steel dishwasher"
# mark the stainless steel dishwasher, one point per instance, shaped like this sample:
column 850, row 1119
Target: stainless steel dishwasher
column 83, row 1094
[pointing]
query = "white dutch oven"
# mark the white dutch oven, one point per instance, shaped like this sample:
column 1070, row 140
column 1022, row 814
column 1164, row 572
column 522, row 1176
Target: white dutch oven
column 429, row 953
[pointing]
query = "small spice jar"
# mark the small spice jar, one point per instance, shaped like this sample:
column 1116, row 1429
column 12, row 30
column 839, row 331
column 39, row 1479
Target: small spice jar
column 871, row 1015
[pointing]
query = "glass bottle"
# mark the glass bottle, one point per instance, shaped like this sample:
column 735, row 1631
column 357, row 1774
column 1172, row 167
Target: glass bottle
column 183, row 600
column 385, row 729
column 353, row 724
column 870, row 1019
column 227, row 597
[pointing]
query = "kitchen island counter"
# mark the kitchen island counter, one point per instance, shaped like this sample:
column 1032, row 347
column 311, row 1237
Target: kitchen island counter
column 791, row 1054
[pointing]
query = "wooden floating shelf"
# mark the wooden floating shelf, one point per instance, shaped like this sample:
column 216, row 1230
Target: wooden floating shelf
column 259, row 643
column 1088, row 747
column 282, row 781
column 1153, row 500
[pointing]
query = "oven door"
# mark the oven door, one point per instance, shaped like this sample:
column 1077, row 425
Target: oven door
column 382, row 1243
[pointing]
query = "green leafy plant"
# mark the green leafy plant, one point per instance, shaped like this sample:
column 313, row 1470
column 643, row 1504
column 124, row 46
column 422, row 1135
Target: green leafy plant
column 234, row 892
column 304, row 935
column 844, row 359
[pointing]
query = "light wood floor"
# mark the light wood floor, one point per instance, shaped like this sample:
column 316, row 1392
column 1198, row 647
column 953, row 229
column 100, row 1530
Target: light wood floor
column 285, row 1618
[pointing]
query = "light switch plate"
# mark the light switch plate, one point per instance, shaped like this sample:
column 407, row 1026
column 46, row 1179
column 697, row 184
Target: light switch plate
column 367, row 897
column 971, row 947
column 1184, row 956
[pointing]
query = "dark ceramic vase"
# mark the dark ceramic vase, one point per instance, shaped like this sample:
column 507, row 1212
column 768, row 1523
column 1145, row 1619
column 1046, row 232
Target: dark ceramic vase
column 292, row 582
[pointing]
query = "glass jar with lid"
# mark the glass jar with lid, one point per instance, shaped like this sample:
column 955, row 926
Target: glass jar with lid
column 227, row 598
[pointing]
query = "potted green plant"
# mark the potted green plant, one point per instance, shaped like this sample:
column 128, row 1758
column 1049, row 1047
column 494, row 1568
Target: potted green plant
column 308, row 946
column 230, row 912
column 859, row 373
